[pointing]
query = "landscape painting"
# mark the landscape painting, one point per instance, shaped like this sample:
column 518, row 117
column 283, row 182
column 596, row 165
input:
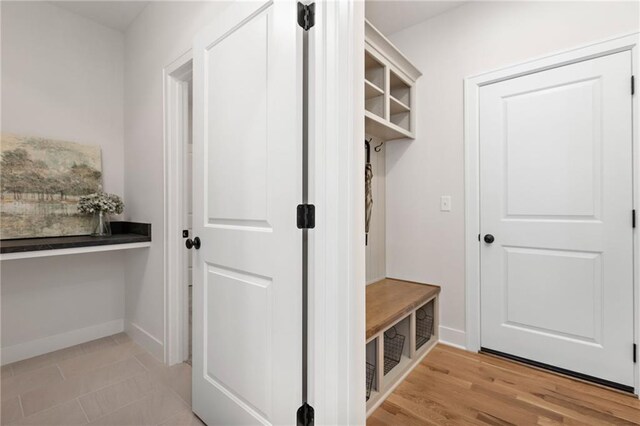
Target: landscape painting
column 41, row 181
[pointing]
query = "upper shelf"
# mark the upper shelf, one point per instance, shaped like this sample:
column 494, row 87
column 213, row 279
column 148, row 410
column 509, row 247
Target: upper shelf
column 126, row 235
column 388, row 88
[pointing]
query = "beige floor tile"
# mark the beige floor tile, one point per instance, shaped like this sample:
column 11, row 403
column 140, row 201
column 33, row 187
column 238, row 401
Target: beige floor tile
column 91, row 361
column 151, row 410
column 67, row 414
column 48, row 396
column 109, row 399
column 122, row 338
column 185, row 418
column 178, row 378
column 149, row 361
column 11, row 411
column 21, row 383
column 6, row 371
column 99, row 344
column 46, row 359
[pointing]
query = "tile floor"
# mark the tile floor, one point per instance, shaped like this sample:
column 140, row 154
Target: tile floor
column 109, row 381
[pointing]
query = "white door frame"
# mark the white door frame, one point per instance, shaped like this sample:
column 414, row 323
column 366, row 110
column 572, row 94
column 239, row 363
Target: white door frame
column 472, row 169
column 336, row 186
column 176, row 77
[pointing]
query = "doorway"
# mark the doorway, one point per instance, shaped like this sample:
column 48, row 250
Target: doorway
column 178, row 101
column 553, row 214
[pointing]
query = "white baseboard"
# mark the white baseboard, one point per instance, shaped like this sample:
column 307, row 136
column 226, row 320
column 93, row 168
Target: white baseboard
column 146, row 340
column 59, row 341
column 453, row 337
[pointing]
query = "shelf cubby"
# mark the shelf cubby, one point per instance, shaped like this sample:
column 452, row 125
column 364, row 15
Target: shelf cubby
column 388, row 88
column 424, row 324
column 402, row 120
column 374, row 71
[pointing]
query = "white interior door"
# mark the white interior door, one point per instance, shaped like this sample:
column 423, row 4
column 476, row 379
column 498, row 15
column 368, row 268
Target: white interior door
column 556, row 194
column 247, row 182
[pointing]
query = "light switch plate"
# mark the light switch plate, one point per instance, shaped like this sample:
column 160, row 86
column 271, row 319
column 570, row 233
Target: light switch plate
column 445, row 203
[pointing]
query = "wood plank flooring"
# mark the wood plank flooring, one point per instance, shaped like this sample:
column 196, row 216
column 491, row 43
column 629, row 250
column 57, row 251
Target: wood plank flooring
column 455, row 387
column 109, row 381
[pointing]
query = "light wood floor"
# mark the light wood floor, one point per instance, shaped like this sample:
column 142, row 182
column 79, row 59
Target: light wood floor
column 454, row 387
column 109, row 381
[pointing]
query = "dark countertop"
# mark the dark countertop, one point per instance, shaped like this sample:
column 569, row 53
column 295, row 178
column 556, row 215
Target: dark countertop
column 122, row 233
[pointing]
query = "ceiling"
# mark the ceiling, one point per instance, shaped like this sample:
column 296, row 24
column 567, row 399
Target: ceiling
column 390, row 16
column 113, row 14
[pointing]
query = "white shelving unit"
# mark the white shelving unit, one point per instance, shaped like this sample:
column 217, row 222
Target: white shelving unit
column 389, row 88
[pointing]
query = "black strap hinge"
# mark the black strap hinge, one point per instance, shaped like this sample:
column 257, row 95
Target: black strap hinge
column 633, row 85
column 305, row 415
column 306, row 216
column 635, row 353
column 306, row 15
column 633, row 218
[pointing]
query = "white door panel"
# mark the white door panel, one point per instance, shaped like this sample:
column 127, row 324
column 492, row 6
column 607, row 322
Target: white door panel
column 247, row 181
column 556, row 192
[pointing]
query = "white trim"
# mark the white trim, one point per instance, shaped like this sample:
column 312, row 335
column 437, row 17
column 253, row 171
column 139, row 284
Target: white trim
column 145, row 339
column 67, row 339
column 336, row 187
column 175, row 100
column 69, row 251
column 453, row 337
column 472, row 169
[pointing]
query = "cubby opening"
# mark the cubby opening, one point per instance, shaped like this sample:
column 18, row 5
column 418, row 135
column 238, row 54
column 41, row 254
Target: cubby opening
column 374, row 72
column 424, row 324
column 400, row 90
column 396, row 346
column 375, row 105
column 372, row 366
column 402, row 119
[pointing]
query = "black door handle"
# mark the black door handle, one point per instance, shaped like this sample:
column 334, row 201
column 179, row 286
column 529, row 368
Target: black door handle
column 195, row 243
column 489, row 239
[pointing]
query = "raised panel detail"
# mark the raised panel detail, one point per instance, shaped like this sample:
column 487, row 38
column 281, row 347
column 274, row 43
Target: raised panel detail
column 238, row 330
column 236, row 152
column 554, row 292
column 553, row 152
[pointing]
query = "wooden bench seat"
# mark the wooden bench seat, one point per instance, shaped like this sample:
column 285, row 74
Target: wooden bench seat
column 389, row 300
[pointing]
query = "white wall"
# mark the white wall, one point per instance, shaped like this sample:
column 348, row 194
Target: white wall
column 159, row 35
column 62, row 78
column 424, row 244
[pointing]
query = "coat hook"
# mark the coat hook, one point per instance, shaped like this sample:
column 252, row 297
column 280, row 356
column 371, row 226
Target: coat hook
column 379, row 147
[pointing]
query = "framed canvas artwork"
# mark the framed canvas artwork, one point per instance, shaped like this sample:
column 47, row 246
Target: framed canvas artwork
column 41, row 181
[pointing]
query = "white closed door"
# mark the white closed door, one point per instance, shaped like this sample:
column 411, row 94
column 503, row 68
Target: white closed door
column 247, row 182
column 556, row 195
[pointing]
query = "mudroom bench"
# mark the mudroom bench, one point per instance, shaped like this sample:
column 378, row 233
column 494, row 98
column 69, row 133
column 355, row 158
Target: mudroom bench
column 401, row 328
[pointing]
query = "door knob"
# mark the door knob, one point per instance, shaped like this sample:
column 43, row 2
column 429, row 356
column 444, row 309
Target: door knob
column 489, row 239
column 195, row 243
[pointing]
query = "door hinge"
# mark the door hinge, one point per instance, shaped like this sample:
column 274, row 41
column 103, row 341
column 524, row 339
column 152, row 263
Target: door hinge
column 306, row 216
column 633, row 84
column 635, row 353
column 633, row 218
column 305, row 415
column 306, row 15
